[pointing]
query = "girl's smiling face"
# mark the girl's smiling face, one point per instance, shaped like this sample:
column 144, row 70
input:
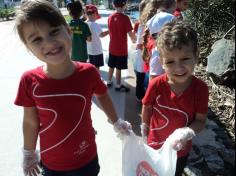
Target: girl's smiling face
column 49, row 44
column 179, row 64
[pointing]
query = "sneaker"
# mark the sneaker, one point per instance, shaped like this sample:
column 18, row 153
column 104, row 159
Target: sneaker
column 122, row 88
column 109, row 84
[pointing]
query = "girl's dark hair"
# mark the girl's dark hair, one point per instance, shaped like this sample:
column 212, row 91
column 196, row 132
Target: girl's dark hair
column 75, row 8
column 35, row 11
column 176, row 34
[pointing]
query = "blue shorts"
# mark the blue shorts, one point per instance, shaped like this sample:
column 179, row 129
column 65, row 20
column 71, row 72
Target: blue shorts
column 119, row 62
column 91, row 169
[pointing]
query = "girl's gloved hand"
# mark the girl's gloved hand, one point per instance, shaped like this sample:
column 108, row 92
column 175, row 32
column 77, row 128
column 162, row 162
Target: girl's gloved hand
column 144, row 132
column 30, row 163
column 122, row 127
column 180, row 137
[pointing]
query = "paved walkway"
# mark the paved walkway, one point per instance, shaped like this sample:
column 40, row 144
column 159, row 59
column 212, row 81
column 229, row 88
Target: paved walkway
column 14, row 60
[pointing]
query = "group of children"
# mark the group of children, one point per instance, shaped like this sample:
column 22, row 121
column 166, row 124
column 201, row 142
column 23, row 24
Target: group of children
column 87, row 43
column 56, row 97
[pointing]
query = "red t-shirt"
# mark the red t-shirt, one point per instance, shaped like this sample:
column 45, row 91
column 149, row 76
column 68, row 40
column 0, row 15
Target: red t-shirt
column 119, row 25
column 177, row 13
column 67, row 138
column 136, row 25
column 171, row 112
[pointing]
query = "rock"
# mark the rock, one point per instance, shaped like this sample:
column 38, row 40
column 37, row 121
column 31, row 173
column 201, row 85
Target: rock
column 211, row 153
column 221, row 62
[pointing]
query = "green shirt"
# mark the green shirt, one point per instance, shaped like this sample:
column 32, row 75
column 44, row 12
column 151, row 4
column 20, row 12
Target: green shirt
column 80, row 31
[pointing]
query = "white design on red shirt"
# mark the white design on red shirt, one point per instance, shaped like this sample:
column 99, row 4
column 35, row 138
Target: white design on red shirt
column 166, row 118
column 55, row 117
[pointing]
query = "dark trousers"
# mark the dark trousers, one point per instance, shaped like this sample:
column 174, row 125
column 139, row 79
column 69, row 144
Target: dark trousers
column 91, row 169
column 140, row 90
column 181, row 163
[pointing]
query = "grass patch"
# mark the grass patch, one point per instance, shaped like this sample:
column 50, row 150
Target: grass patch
column 67, row 18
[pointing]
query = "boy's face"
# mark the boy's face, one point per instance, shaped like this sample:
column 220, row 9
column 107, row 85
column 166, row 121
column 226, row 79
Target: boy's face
column 183, row 5
column 49, row 44
column 179, row 64
column 92, row 16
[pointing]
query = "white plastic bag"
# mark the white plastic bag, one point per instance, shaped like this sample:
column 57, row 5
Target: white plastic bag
column 138, row 159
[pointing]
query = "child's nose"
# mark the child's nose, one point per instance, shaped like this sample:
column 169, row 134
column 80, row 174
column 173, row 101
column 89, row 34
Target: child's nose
column 49, row 41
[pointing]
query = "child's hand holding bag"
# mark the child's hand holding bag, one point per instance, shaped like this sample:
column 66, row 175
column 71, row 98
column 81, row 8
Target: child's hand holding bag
column 138, row 159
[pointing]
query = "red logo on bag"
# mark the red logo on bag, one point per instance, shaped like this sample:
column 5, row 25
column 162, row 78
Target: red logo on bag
column 144, row 169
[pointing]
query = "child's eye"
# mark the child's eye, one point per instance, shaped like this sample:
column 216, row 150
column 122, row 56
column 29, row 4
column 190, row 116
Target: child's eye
column 185, row 59
column 36, row 40
column 169, row 62
column 55, row 32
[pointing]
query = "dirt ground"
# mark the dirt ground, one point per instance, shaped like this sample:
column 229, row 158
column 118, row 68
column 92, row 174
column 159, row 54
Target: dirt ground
column 221, row 102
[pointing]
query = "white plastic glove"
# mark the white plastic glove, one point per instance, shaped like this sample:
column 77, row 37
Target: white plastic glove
column 180, row 137
column 122, row 127
column 144, row 132
column 31, row 163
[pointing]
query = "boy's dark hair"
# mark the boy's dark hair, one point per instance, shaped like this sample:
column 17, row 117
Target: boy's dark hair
column 75, row 8
column 119, row 3
column 36, row 11
column 176, row 34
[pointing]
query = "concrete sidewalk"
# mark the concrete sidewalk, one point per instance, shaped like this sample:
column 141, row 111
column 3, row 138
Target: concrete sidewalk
column 15, row 59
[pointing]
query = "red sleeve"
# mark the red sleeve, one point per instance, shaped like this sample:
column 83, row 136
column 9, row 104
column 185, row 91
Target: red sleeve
column 136, row 25
column 99, row 87
column 177, row 13
column 202, row 98
column 150, row 44
column 24, row 95
column 151, row 93
column 129, row 25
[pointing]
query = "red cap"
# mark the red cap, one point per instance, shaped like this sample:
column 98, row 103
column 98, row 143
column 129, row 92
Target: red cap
column 92, row 8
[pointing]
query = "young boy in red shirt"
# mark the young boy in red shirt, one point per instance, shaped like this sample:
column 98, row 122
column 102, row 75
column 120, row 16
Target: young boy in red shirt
column 176, row 103
column 119, row 26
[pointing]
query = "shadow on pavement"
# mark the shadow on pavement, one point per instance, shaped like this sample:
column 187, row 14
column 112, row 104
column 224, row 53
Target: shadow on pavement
column 125, row 103
column 132, row 107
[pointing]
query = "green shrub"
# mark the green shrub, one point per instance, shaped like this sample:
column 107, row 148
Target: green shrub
column 212, row 19
column 6, row 14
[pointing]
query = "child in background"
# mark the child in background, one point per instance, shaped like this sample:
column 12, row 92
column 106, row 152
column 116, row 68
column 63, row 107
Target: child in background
column 181, row 6
column 80, row 30
column 154, row 25
column 138, row 61
column 176, row 103
column 57, row 97
column 119, row 26
column 94, row 47
column 148, row 43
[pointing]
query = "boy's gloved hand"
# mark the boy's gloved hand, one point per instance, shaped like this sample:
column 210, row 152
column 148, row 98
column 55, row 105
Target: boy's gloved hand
column 180, row 137
column 144, row 132
column 122, row 127
column 31, row 163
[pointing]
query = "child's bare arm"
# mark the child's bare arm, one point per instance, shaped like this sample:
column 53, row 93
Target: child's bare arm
column 132, row 36
column 30, row 128
column 30, row 131
column 107, row 106
column 104, row 34
column 146, row 114
column 120, row 126
column 199, row 123
column 89, row 39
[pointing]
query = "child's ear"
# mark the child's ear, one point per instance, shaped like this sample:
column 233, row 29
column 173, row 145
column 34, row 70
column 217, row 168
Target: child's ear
column 197, row 55
column 69, row 30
